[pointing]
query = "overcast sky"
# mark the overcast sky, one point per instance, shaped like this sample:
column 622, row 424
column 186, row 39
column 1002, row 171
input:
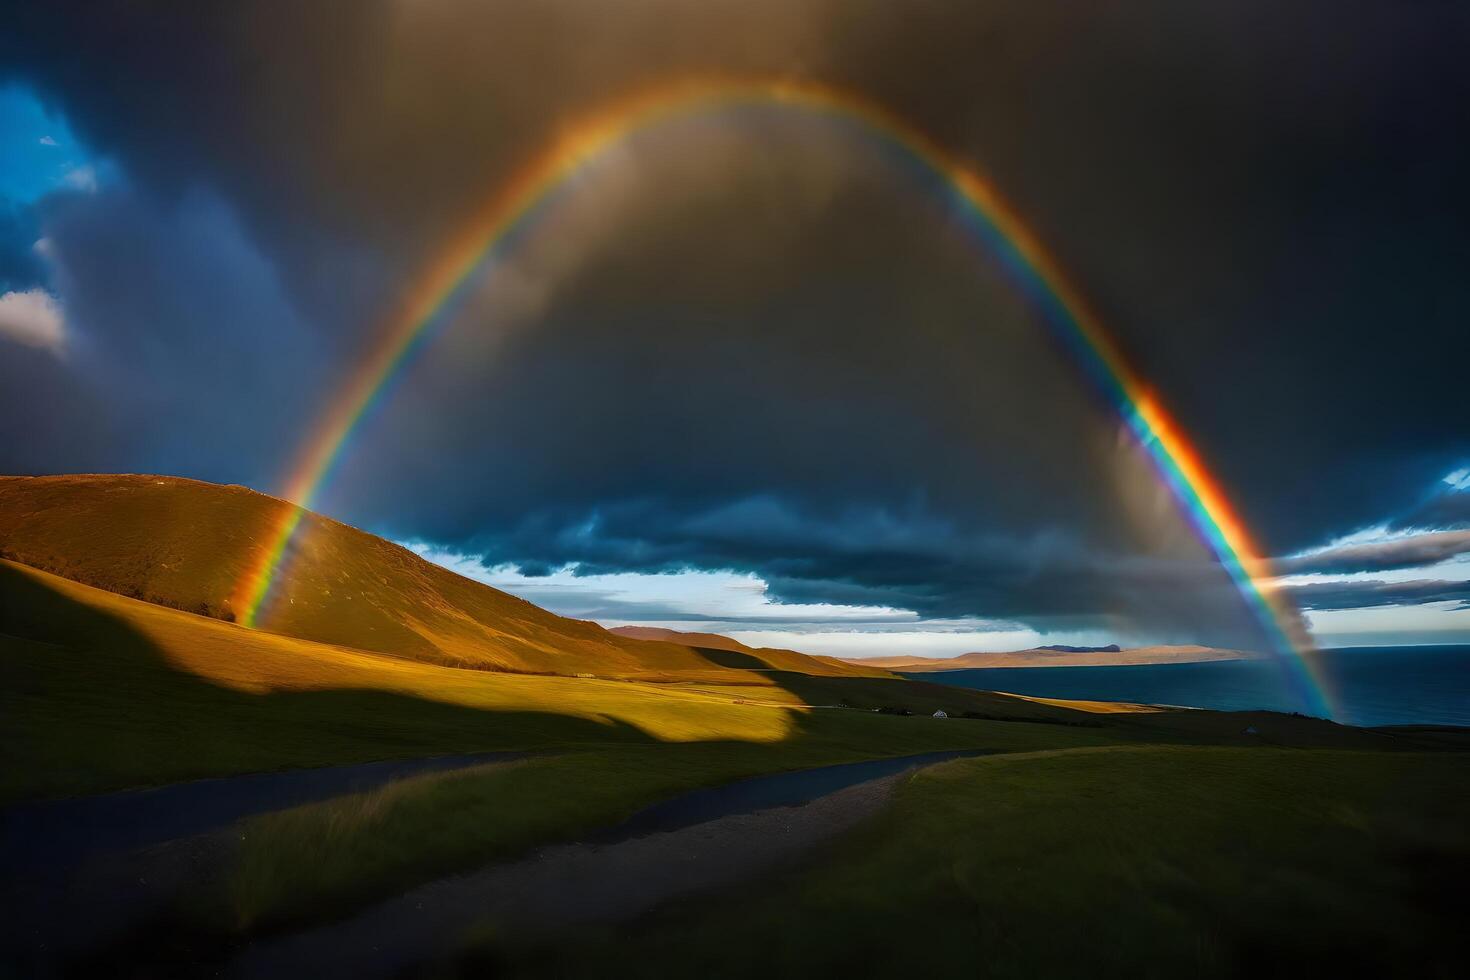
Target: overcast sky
column 748, row 374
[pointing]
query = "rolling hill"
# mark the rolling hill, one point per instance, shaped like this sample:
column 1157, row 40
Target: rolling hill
column 187, row 544
column 100, row 691
column 709, row 641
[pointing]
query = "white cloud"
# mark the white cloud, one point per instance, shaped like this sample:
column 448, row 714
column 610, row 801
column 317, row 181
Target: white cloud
column 913, row 643
column 47, row 141
column 1413, row 552
column 739, row 605
column 83, row 178
column 690, row 597
column 33, row 318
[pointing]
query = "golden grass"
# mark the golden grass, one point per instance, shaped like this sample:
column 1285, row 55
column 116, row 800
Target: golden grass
column 259, row 663
column 1095, row 707
column 187, row 545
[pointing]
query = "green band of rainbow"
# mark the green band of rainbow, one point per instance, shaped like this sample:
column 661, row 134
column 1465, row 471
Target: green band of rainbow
column 987, row 215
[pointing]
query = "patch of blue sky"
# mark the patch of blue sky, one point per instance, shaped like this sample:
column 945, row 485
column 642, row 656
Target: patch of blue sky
column 40, row 153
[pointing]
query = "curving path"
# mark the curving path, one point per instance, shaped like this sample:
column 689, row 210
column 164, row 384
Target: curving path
column 701, row 841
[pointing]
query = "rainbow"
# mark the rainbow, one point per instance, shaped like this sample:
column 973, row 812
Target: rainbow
column 493, row 227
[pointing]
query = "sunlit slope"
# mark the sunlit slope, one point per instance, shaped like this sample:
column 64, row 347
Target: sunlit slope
column 187, row 544
column 98, row 690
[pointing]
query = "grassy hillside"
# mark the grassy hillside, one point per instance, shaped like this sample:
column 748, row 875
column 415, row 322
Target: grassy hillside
column 99, row 691
column 187, row 545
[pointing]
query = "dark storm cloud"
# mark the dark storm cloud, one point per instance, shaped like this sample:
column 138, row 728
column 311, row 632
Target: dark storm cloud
column 1421, row 549
column 1354, row 595
column 1266, row 201
column 898, row 561
column 173, row 324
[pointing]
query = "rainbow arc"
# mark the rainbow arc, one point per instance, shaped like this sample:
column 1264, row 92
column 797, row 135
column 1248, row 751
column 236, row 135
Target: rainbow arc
column 493, row 228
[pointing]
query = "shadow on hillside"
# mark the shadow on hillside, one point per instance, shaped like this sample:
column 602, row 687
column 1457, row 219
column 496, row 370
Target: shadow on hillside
column 64, row 665
column 1179, row 725
column 96, row 705
column 893, row 694
column 733, row 659
column 93, row 703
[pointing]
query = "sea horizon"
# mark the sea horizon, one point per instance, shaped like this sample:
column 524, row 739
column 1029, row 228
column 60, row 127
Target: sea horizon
column 1372, row 686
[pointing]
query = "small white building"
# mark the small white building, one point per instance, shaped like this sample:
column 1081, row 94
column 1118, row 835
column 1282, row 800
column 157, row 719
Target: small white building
column 940, row 714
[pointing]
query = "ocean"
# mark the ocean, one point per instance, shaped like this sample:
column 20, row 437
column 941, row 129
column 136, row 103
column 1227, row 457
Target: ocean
column 1424, row 685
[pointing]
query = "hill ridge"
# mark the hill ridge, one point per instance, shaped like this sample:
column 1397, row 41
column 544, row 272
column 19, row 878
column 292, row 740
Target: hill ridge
column 1053, row 656
column 184, row 543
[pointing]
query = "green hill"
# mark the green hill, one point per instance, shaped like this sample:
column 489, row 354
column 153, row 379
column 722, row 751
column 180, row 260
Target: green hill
column 188, row 545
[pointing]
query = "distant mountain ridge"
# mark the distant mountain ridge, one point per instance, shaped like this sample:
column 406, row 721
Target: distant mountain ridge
column 713, row 641
column 774, row 657
column 1052, row 655
column 1061, row 656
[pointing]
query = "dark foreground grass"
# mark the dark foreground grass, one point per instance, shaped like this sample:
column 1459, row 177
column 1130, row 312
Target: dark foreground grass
column 323, row 859
column 1138, row 861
